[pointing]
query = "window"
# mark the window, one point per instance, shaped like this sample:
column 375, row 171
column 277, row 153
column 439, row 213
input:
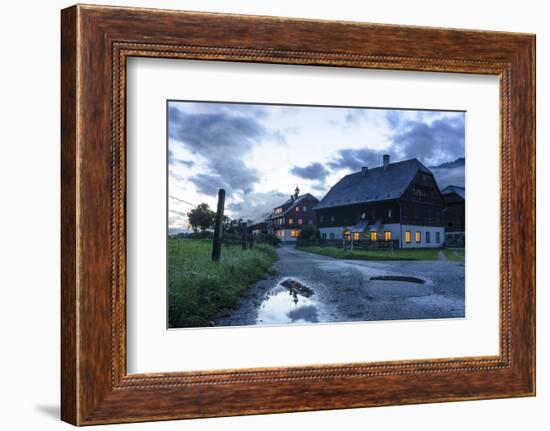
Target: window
column 290, row 221
column 332, row 236
column 299, row 221
column 428, row 239
column 294, row 233
column 324, row 235
column 310, row 221
column 356, row 236
column 408, row 236
column 387, row 235
column 389, row 213
column 332, row 219
column 321, row 219
column 373, row 236
column 297, row 209
column 304, row 209
column 363, row 216
column 278, row 210
column 437, row 237
column 417, row 236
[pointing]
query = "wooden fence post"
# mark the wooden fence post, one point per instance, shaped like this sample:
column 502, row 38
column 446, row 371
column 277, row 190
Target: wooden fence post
column 218, row 227
column 243, row 235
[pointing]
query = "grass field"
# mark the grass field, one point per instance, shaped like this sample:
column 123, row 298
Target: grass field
column 401, row 254
column 199, row 290
column 456, row 255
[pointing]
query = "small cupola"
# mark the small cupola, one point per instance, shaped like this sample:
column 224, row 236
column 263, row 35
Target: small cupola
column 296, row 192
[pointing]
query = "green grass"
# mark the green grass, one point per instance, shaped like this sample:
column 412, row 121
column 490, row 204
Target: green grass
column 456, row 255
column 401, row 254
column 199, row 289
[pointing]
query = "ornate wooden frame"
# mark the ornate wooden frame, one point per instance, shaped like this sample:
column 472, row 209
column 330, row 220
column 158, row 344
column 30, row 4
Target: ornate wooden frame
column 96, row 41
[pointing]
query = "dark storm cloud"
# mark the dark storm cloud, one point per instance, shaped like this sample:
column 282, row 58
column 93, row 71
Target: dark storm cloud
column 440, row 141
column 313, row 171
column 222, row 137
column 208, row 184
column 354, row 159
column 432, row 143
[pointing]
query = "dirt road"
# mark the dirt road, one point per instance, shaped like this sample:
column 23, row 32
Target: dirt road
column 343, row 291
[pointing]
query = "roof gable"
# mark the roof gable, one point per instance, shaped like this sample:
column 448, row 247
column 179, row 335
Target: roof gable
column 378, row 184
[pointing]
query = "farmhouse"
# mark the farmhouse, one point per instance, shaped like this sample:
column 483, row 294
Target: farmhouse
column 454, row 215
column 398, row 202
column 287, row 220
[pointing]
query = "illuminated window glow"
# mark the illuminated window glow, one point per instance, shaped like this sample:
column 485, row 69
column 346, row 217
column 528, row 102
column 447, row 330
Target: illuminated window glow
column 356, row 236
column 295, row 233
column 417, row 236
column 408, row 236
column 373, row 236
column 387, row 235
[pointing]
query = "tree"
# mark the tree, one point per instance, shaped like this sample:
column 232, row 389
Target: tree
column 201, row 217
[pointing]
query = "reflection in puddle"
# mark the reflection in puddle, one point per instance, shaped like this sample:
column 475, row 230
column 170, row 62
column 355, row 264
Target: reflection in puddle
column 287, row 304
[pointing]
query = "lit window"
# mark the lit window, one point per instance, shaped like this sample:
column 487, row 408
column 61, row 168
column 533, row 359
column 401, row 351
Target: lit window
column 294, row 233
column 299, row 221
column 356, row 236
column 387, row 235
column 297, row 209
column 290, row 221
column 373, row 236
column 408, row 236
column 417, row 236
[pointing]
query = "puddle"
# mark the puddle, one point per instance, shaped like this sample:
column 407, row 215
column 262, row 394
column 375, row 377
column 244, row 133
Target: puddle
column 401, row 278
column 290, row 301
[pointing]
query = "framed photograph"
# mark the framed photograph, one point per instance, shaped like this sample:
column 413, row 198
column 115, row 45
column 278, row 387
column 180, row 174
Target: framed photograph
column 263, row 214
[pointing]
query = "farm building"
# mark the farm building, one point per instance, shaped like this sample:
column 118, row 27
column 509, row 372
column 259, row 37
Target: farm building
column 287, row 220
column 454, row 215
column 398, row 202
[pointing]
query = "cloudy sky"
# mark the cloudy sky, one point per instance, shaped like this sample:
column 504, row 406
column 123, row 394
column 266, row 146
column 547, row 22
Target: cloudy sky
column 259, row 153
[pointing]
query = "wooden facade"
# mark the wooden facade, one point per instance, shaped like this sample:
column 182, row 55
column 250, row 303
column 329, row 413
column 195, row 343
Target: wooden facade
column 413, row 213
column 287, row 220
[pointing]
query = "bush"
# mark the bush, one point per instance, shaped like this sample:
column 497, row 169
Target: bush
column 309, row 232
column 268, row 238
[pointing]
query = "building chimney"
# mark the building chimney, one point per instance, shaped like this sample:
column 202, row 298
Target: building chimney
column 386, row 159
column 364, row 171
column 296, row 192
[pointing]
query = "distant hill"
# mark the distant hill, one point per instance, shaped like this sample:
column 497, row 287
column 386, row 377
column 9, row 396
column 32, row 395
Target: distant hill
column 450, row 173
column 460, row 162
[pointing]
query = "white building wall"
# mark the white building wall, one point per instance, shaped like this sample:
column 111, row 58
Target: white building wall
column 337, row 231
column 397, row 233
column 422, row 229
column 285, row 235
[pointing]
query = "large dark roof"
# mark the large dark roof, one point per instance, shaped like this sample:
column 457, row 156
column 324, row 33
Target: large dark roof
column 378, row 184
